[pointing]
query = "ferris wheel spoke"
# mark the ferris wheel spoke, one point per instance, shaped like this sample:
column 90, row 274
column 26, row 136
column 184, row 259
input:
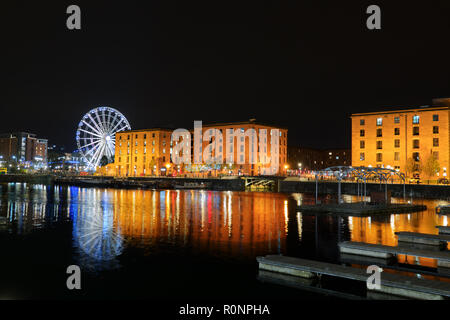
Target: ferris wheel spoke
column 99, row 121
column 117, row 125
column 95, row 123
column 96, row 156
column 123, row 128
column 95, row 130
column 91, row 133
column 113, row 121
column 111, row 150
column 92, row 150
column 92, row 143
column 105, row 123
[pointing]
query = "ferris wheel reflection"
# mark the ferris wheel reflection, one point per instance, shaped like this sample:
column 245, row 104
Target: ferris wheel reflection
column 93, row 228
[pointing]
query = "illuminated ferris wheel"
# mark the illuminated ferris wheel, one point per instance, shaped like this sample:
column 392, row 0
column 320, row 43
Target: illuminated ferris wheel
column 96, row 134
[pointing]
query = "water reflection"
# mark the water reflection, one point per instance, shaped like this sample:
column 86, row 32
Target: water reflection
column 93, row 224
column 229, row 225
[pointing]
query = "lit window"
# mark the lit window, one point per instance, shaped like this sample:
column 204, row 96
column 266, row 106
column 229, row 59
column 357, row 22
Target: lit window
column 397, row 120
column 379, row 121
column 379, row 133
column 435, row 142
column 416, row 119
column 379, row 157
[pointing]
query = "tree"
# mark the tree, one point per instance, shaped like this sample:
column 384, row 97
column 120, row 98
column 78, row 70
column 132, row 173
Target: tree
column 152, row 165
column 104, row 161
column 431, row 167
column 412, row 166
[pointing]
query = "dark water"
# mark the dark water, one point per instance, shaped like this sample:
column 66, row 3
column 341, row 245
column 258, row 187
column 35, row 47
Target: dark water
column 181, row 245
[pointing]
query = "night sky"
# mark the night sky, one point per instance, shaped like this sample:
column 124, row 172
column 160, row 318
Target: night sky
column 306, row 65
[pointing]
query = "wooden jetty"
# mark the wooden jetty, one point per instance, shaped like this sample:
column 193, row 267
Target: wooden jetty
column 393, row 284
column 423, row 238
column 361, row 209
column 443, row 229
column 304, row 284
column 382, row 251
column 443, row 209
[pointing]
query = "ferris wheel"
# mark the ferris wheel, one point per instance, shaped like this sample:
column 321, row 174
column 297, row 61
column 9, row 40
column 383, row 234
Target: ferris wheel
column 96, row 134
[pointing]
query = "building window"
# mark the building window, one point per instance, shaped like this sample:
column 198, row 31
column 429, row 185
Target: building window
column 397, row 120
column 397, row 156
column 362, row 144
column 379, row 121
column 362, row 133
column 435, row 117
column 379, row 133
column 361, row 156
column 436, row 155
column 397, row 131
column 379, row 157
column 435, row 129
column 435, row 142
column 362, row 122
column 415, row 131
column 416, row 144
column 416, row 156
column 397, row 143
column 379, row 144
column 416, row 119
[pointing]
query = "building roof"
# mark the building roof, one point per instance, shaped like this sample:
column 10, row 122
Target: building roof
column 248, row 122
column 147, row 130
column 437, row 104
column 213, row 124
column 414, row 110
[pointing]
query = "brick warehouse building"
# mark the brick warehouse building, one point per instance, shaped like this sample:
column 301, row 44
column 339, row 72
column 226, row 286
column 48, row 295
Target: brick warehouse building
column 395, row 139
column 23, row 147
column 148, row 152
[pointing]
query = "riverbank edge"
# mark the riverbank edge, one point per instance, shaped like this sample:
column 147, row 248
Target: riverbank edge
column 441, row 192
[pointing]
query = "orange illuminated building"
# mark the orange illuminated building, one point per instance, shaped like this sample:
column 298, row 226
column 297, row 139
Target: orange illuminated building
column 247, row 168
column 402, row 139
column 148, row 152
column 142, row 152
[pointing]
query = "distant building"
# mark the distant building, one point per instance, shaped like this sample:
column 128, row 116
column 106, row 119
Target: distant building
column 23, row 148
column 60, row 160
column 316, row 159
column 403, row 139
column 148, row 152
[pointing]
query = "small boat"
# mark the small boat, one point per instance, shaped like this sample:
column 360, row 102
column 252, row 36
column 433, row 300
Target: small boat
column 190, row 185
